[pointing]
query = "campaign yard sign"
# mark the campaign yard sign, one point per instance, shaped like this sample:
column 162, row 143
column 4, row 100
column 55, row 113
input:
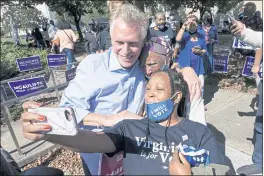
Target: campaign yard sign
column 249, row 62
column 221, row 63
column 241, row 44
column 27, row 86
column 70, row 74
column 56, row 60
column 111, row 166
column 28, row 63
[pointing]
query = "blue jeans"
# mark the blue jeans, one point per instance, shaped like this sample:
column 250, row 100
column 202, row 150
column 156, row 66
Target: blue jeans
column 258, row 130
column 209, row 66
column 90, row 161
column 70, row 57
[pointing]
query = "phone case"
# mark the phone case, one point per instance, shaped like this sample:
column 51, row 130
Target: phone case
column 62, row 120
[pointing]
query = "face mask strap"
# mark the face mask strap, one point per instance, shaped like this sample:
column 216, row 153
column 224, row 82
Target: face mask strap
column 193, row 32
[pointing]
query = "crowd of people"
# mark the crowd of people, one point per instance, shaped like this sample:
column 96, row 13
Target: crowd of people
column 143, row 87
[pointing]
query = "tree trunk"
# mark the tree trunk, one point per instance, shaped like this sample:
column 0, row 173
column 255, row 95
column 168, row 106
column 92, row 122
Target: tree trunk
column 77, row 24
column 202, row 10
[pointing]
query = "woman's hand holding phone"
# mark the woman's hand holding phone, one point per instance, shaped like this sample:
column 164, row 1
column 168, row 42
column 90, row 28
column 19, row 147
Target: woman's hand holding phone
column 38, row 121
column 197, row 50
column 33, row 131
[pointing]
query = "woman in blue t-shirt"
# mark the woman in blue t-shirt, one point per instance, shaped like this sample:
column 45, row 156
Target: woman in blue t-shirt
column 193, row 47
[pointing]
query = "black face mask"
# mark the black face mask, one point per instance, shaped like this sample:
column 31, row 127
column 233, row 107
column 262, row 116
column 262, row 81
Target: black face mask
column 192, row 33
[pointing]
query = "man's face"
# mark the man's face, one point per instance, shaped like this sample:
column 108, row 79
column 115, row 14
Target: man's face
column 160, row 20
column 127, row 42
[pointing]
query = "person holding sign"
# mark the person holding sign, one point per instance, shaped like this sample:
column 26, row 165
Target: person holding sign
column 193, row 47
column 143, row 141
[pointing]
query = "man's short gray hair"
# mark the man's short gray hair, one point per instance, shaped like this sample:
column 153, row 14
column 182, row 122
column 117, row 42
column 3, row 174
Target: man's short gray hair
column 131, row 14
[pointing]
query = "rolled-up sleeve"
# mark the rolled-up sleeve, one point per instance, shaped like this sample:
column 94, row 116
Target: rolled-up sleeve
column 80, row 90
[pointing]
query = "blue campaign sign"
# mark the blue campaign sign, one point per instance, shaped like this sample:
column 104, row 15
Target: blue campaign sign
column 56, row 60
column 70, row 74
column 27, row 86
column 28, row 63
column 241, row 44
column 221, row 63
column 248, row 66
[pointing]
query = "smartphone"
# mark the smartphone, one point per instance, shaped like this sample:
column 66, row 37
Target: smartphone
column 232, row 18
column 197, row 47
column 62, row 120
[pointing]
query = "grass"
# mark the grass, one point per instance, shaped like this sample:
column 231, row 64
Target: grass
column 22, row 40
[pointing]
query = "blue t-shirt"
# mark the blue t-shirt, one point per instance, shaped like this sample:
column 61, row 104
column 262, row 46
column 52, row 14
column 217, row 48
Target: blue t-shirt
column 153, row 157
column 187, row 58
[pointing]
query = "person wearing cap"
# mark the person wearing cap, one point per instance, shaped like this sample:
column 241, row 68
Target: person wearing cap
column 157, row 55
column 92, row 38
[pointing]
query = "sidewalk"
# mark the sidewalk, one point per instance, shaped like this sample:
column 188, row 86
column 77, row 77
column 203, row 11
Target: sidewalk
column 229, row 117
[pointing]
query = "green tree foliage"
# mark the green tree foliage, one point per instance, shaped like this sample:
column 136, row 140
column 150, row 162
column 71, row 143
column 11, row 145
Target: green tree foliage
column 24, row 17
column 74, row 8
column 206, row 5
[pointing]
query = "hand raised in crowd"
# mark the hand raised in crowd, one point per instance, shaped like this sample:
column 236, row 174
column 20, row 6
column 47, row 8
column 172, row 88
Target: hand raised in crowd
column 186, row 23
column 29, row 130
column 179, row 165
column 237, row 28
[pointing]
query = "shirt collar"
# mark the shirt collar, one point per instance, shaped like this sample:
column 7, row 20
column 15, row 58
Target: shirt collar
column 114, row 65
